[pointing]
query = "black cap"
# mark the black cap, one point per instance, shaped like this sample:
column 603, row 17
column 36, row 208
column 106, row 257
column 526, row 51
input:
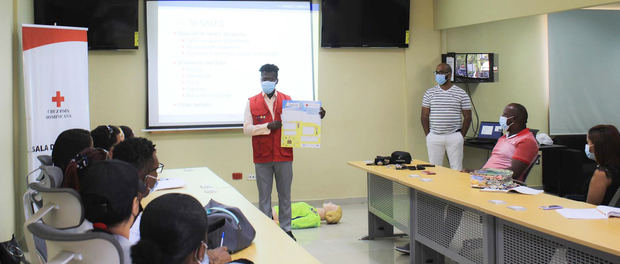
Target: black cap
column 108, row 189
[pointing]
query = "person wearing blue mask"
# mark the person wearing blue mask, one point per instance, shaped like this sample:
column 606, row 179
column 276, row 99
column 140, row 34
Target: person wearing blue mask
column 517, row 149
column 446, row 117
column 142, row 154
column 262, row 121
column 603, row 146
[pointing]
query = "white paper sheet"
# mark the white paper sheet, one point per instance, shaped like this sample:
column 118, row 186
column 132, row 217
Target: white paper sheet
column 581, row 213
column 526, row 190
column 520, row 189
column 169, row 183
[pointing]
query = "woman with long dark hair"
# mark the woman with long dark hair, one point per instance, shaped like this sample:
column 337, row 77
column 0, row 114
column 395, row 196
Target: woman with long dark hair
column 603, row 147
column 69, row 143
column 77, row 166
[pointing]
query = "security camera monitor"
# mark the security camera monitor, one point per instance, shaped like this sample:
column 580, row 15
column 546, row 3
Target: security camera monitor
column 478, row 66
column 460, row 65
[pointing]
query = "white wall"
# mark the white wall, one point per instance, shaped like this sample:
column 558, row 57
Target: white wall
column 7, row 199
column 584, row 55
column 454, row 13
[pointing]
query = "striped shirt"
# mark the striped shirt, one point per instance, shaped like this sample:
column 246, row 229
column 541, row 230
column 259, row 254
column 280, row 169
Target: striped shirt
column 446, row 108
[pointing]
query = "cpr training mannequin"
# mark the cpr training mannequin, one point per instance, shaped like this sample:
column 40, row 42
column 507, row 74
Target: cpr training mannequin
column 306, row 216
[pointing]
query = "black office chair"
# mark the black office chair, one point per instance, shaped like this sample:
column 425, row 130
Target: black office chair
column 615, row 200
column 521, row 180
column 567, row 171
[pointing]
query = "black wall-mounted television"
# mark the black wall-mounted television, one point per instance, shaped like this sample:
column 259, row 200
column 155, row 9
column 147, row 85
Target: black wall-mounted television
column 112, row 24
column 470, row 67
column 364, row 23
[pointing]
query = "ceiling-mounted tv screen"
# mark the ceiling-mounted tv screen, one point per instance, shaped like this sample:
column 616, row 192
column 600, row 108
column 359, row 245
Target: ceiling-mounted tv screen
column 365, row 23
column 112, row 24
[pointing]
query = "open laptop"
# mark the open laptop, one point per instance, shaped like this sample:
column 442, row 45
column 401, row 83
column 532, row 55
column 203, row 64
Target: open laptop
column 488, row 132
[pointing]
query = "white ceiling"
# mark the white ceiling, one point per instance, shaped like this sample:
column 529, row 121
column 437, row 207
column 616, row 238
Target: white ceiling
column 615, row 6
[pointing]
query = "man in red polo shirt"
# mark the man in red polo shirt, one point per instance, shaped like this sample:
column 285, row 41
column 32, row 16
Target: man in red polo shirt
column 517, row 149
column 262, row 121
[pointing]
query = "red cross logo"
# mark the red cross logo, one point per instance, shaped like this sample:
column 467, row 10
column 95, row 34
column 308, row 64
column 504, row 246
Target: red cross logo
column 58, row 99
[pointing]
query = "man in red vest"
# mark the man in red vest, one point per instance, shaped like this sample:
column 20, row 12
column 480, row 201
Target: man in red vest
column 262, row 121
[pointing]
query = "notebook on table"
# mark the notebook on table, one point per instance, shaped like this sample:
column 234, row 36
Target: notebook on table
column 600, row 212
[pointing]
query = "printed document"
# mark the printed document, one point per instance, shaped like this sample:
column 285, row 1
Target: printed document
column 301, row 124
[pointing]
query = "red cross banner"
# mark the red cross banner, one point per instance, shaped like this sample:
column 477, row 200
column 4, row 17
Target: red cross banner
column 55, row 83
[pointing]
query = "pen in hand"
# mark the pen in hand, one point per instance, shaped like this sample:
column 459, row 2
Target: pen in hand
column 222, row 240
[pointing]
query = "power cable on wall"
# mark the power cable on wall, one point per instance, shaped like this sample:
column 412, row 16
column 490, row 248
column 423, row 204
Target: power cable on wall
column 476, row 121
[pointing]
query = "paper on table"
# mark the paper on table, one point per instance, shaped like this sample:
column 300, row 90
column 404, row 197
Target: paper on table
column 169, row 183
column 520, row 189
column 591, row 213
column 526, row 190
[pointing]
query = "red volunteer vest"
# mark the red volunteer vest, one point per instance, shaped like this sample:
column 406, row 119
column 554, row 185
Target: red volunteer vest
column 267, row 147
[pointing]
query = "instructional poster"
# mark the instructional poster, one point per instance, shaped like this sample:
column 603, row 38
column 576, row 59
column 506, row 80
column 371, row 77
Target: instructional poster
column 301, row 124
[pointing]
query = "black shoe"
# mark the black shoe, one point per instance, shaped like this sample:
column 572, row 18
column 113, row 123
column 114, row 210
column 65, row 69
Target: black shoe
column 403, row 249
column 289, row 233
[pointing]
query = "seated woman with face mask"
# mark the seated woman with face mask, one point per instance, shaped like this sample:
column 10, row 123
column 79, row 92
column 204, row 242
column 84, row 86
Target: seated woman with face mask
column 173, row 230
column 603, row 147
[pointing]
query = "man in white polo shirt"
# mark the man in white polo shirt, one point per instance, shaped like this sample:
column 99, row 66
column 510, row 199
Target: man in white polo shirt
column 442, row 107
column 446, row 116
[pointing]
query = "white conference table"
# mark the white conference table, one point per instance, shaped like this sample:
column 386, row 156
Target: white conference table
column 439, row 212
column 271, row 244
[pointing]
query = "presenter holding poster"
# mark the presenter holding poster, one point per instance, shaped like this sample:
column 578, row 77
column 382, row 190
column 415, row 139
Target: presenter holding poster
column 262, row 121
column 446, row 116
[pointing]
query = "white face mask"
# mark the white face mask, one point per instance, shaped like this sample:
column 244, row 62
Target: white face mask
column 205, row 258
column 589, row 154
column 503, row 122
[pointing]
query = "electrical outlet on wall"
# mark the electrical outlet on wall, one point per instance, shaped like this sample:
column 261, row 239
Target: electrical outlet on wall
column 251, row 177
